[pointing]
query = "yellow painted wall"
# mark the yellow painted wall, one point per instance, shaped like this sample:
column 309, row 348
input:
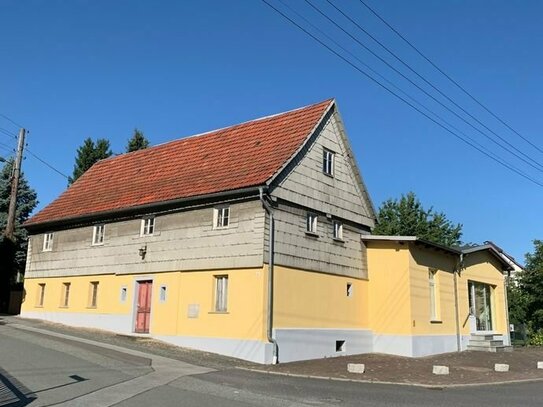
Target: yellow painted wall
column 305, row 299
column 483, row 267
column 245, row 316
column 389, row 288
column 423, row 260
column 108, row 300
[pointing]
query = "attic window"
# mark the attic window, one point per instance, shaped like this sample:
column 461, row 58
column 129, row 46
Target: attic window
column 98, row 234
column 221, row 217
column 147, row 226
column 328, row 159
column 48, row 242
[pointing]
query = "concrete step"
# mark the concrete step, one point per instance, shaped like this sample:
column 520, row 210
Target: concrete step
column 482, row 337
column 502, row 348
column 486, row 344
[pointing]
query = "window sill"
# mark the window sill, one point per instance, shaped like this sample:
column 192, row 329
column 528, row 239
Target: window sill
column 218, row 312
column 311, row 234
column 38, row 306
column 221, row 227
column 92, row 307
column 63, row 306
column 97, row 244
column 328, row 175
column 436, row 321
column 338, row 240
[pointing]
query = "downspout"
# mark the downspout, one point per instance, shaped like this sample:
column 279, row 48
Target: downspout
column 507, row 326
column 456, row 309
column 269, row 330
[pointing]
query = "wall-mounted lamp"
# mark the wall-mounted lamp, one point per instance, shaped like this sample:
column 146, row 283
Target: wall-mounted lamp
column 143, row 252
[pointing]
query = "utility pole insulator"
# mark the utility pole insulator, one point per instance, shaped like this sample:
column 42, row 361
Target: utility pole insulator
column 10, row 226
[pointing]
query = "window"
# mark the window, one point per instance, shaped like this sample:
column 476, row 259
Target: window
column 65, row 294
column 124, row 292
column 147, row 226
column 340, row 346
column 432, row 280
column 48, row 242
column 221, row 217
column 41, row 295
column 221, row 293
column 311, row 226
column 328, row 158
column 162, row 296
column 349, row 290
column 98, row 234
column 93, row 294
column 338, row 230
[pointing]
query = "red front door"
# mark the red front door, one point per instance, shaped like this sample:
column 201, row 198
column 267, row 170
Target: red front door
column 143, row 312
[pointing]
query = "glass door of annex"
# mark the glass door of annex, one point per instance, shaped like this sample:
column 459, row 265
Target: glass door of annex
column 481, row 305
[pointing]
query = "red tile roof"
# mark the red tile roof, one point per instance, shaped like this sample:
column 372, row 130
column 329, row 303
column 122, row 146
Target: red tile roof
column 240, row 156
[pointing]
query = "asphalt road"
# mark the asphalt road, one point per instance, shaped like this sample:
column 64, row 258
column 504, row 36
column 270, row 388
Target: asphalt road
column 38, row 368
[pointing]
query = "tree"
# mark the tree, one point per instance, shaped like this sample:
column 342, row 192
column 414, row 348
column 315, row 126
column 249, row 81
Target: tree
column 88, row 154
column 13, row 254
column 530, row 283
column 137, row 142
column 407, row 217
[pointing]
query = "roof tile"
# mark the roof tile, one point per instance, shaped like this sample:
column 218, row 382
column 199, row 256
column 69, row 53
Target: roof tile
column 239, row 156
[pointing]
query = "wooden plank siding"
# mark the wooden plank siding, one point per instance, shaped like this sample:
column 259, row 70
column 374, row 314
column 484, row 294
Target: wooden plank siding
column 182, row 241
column 297, row 249
column 341, row 195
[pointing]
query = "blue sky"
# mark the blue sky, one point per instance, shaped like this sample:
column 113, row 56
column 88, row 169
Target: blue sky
column 71, row 70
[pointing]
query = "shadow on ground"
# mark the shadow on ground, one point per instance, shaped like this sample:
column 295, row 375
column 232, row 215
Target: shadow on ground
column 12, row 392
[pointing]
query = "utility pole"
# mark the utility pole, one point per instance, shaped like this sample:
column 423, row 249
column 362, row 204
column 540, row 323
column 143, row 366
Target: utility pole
column 15, row 186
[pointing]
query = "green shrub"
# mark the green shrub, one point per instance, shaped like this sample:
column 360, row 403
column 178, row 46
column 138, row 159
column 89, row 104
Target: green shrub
column 536, row 338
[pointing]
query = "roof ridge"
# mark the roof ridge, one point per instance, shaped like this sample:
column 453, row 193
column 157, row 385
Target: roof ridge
column 232, row 126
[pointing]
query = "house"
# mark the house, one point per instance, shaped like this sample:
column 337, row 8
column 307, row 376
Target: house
column 250, row 241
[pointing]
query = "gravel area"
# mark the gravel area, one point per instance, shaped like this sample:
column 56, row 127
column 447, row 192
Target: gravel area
column 469, row 367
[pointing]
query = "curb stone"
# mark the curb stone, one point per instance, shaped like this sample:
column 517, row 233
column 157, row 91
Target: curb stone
column 422, row 385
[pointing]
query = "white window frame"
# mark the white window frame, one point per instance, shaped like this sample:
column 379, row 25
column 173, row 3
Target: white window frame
column 98, row 234
column 350, row 289
column 123, row 294
column 221, row 217
column 221, row 293
column 65, row 294
column 48, row 242
column 148, row 226
column 93, row 294
column 311, row 223
column 337, row 227
column 163, row 293
column 41, row 295
column 328, row 162
column 434, row 295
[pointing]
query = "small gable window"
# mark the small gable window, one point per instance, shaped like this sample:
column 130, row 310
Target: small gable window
column 147, row 226
column 221, row 217
column 311, row 223
column 338, row 230
column 98, row 234
column 328, row 160
column 48, row 242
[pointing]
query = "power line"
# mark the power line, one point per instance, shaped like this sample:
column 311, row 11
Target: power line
column 537, row 165
column 481, row 150
column 46, row 163
column 11, row 121
column 449, row 77
column 8, row 133
column 386, row 80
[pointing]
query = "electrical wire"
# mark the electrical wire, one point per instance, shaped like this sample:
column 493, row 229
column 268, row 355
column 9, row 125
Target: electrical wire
column 481, row 150
column 390, row 83
column 458, row 85
column 8, row 133
column 10, row 120
column 46, row 163
column 534, row 164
